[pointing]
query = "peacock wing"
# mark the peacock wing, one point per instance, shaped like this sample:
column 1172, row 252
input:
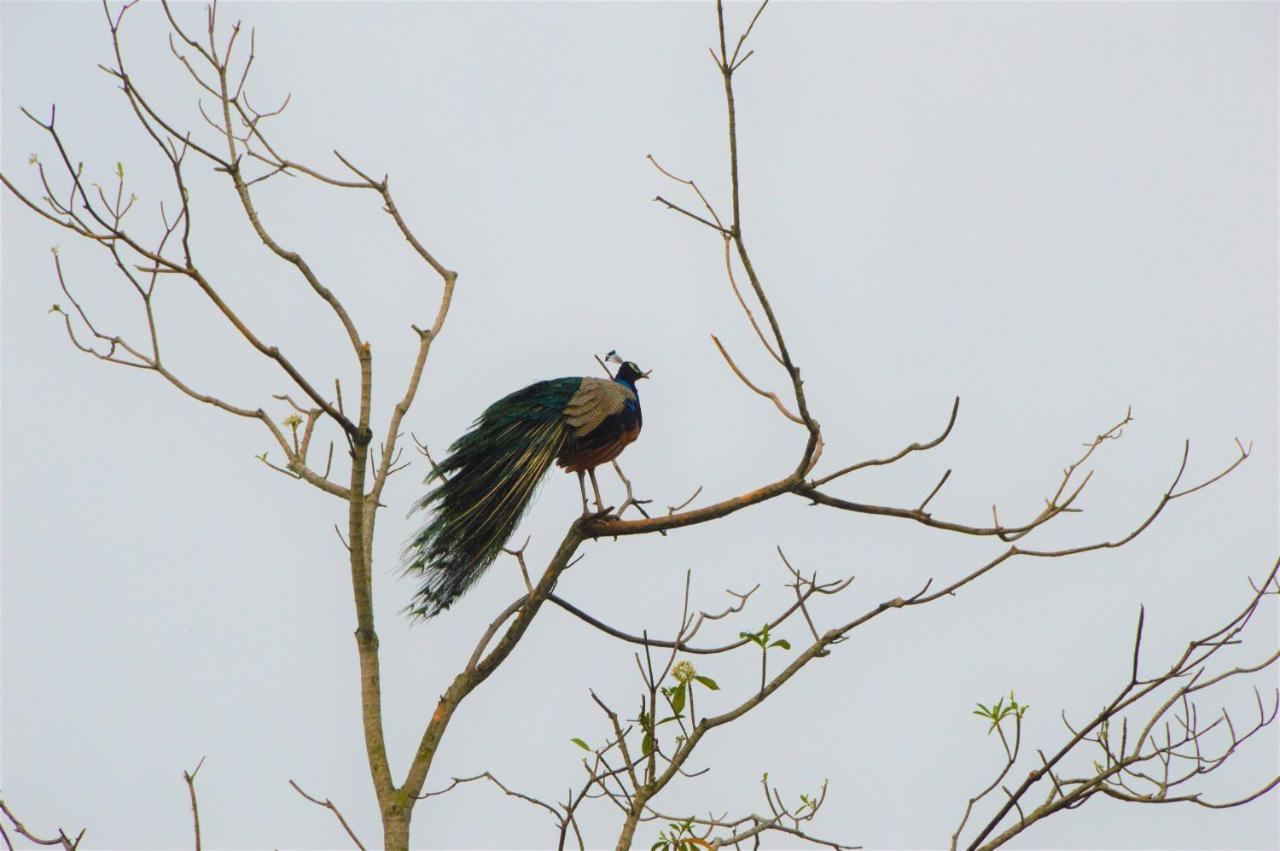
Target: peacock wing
column 595, row 400
column 542, row 400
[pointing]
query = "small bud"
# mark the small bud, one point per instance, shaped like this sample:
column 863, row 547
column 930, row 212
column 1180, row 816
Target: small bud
column 57, row 308
column 292, row 421
column 53, row 249
column 33, row 160
column 683, row 671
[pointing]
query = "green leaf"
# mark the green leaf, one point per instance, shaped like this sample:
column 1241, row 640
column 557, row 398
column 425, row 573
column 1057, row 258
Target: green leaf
column 581, row 744
column 120, row 170
column 708, row 682
column 783, row 643
column 646, row 745
column 677, row 699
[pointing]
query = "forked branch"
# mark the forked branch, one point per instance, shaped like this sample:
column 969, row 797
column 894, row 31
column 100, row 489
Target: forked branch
column 1149, row 761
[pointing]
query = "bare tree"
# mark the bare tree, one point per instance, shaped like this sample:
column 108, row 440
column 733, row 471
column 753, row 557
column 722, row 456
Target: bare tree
column 1155, row 758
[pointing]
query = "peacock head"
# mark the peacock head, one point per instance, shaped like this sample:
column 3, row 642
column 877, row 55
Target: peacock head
column 627, row 371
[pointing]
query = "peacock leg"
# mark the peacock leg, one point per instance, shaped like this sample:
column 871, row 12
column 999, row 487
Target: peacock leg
column 595, row 486
column 582, row 486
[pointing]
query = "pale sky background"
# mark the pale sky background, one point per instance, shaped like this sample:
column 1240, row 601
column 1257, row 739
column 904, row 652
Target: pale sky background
column 1052, row 211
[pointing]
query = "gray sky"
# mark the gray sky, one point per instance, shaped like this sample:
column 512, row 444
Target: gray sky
column 1052, row 211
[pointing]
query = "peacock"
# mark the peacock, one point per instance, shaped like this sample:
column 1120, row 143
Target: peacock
column 486, row 483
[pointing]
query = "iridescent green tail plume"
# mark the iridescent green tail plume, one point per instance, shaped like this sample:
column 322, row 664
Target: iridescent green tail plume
column 483, row 489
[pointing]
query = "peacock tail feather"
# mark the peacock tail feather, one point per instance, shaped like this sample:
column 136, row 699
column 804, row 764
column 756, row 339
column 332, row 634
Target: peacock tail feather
column 483, row 489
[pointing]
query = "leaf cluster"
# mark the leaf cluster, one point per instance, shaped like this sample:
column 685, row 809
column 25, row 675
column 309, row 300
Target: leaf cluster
column 998, row 711
column 764, row 640
column 678, row 837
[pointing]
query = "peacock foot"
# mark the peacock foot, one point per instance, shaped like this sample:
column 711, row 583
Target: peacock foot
column 598, row 514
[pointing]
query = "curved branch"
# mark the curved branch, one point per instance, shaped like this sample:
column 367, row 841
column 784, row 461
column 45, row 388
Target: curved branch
column 897, row 456
column 458, row 781
column 1190, row 667
column 475, row 674
column 114, row 232
column 768, row 394
column 333, row 808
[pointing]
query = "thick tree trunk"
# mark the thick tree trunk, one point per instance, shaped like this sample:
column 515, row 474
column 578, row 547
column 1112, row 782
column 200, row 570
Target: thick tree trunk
column 360, row 523
column 633, row 818
column 395, row 828
column 624, row 838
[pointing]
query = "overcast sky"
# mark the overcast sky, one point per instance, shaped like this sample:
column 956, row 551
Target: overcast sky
column 1052, row 211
